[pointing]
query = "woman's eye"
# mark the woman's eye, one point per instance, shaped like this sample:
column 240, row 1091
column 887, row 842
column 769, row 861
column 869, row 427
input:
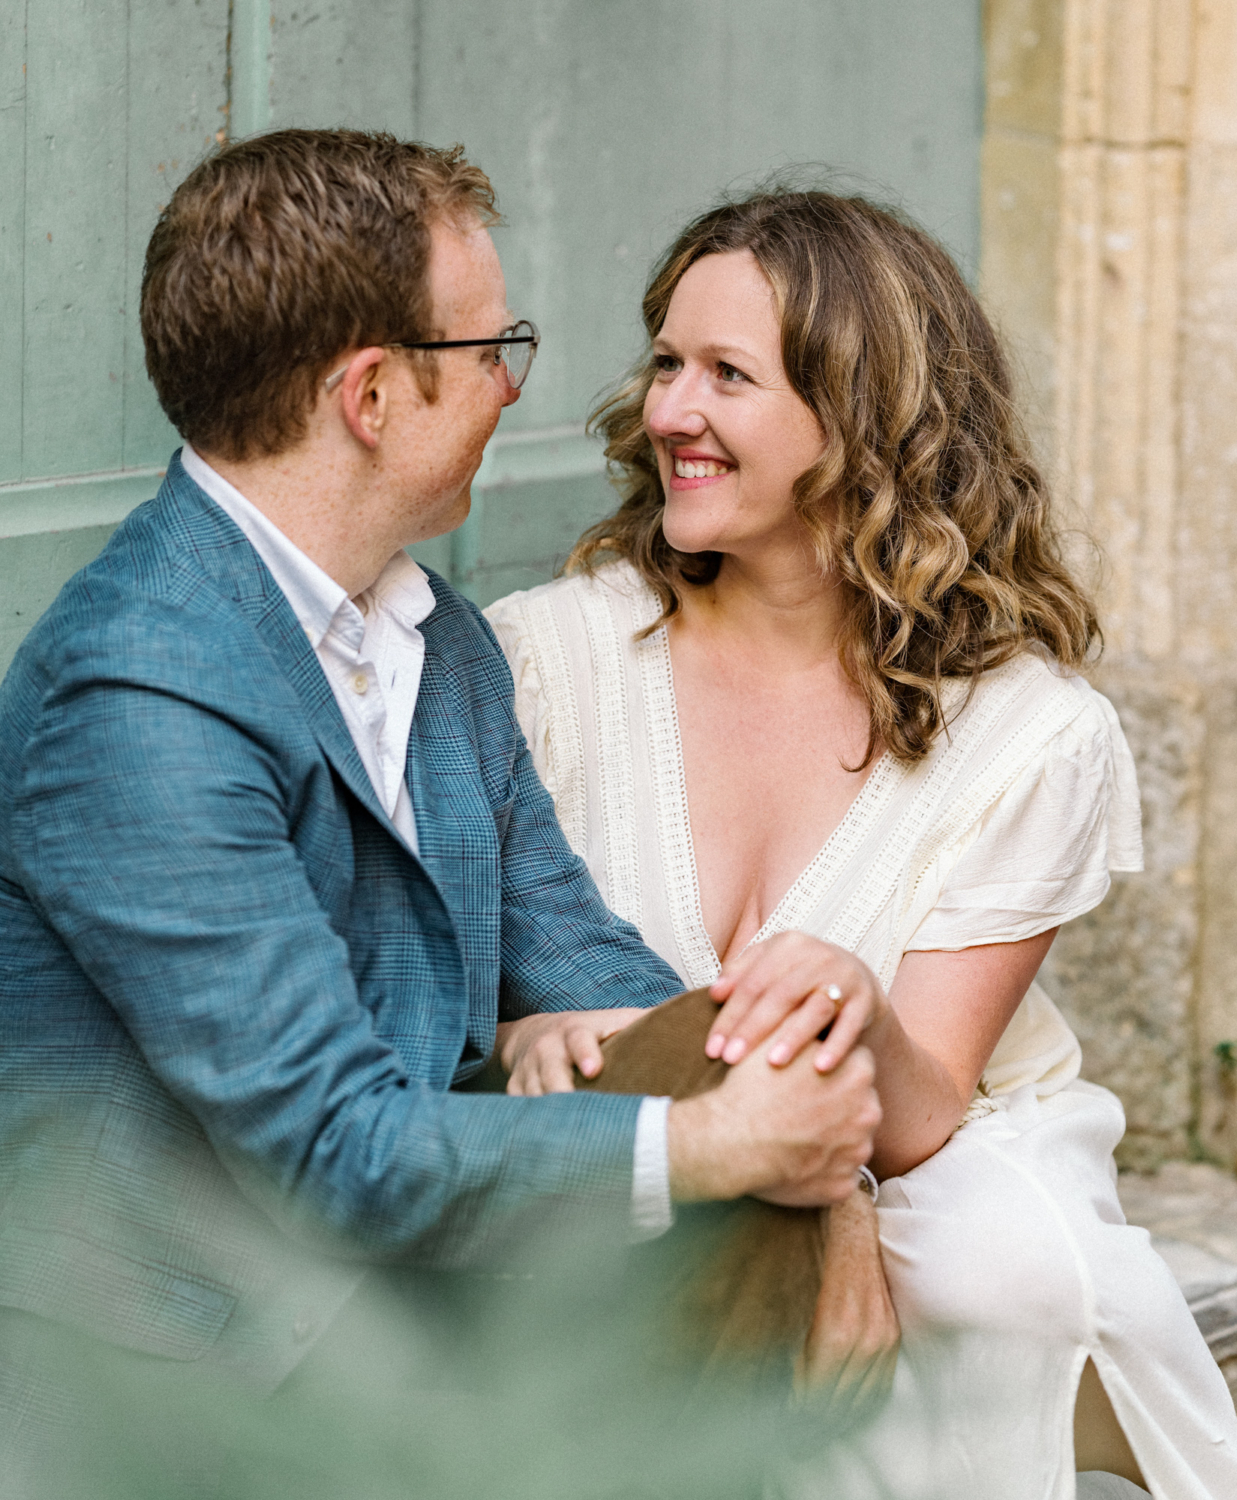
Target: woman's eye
column 729, row 374
column 666, row 364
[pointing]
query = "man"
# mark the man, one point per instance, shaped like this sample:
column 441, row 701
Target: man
column 274, row 865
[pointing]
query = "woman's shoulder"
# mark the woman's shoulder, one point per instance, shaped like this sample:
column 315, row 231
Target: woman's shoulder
column 1032, row 698
column 596, row 611
column 563, row 596
column 1033, row 729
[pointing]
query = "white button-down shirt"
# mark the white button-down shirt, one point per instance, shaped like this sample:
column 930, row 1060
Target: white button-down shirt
column 370, row 648
column 372, row 652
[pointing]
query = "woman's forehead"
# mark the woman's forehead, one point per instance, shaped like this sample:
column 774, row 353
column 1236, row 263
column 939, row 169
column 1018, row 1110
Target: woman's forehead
column 724, row 304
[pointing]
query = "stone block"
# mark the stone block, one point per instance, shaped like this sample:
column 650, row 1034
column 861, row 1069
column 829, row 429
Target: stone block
column 33, row 570
column 1206, row 540
column 1217, row 958
column 1022, row 47
column 1020, row 186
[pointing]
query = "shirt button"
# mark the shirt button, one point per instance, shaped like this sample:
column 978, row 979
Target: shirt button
column 360, row 683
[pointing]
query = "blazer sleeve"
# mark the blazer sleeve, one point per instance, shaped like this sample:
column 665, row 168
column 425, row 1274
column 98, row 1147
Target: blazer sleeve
column 563, row 948
column 151, row 832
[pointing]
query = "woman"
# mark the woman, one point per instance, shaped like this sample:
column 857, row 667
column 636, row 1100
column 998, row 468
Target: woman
column 827, row 682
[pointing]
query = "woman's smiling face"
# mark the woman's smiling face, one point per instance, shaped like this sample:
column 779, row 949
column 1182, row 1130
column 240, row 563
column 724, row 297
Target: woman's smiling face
column 730, row 434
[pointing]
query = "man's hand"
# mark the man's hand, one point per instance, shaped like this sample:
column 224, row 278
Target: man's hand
column 539, row 1052
column 851, row 1349
column 789, row 988
column 790, row 1135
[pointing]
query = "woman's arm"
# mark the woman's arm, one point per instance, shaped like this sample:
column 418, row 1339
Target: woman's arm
column 931, row 1037
column 945, row 1015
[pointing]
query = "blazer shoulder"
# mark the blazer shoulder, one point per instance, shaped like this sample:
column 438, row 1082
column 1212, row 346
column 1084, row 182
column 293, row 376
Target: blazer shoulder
column 462, row 638
column 165, row 631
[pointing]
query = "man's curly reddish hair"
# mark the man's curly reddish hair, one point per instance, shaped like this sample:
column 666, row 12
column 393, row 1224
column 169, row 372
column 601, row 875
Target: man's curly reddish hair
column 276, row 254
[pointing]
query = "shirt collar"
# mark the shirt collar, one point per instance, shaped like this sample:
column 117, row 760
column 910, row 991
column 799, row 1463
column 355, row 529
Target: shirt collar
column 319, row 603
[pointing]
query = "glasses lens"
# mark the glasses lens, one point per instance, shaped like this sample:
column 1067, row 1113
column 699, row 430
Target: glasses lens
column 519, row 357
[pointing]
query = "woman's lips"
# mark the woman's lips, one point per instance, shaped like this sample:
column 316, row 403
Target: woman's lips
column 697, row 467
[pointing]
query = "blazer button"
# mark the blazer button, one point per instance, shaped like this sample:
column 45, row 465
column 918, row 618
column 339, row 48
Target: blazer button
column 303, row 1328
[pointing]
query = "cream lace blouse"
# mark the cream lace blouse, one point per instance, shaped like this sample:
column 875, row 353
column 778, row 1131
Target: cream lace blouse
column 1010, row 826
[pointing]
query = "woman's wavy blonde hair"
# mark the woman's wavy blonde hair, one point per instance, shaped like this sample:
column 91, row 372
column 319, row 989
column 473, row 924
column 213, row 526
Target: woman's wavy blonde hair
column 926, row 501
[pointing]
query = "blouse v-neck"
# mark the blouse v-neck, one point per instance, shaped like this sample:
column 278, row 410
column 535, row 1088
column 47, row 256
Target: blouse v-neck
column 669, row 779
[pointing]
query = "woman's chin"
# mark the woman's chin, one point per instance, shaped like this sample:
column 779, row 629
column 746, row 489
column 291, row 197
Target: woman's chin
column 689, row 538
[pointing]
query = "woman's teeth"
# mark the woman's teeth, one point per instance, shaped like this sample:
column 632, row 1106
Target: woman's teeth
column 685, row 470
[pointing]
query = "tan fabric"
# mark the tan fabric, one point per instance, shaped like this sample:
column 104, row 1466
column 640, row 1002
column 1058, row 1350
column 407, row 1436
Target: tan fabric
column 748, row 1289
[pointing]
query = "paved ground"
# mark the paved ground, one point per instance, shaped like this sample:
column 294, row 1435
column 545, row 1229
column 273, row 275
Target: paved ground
column 1191, row 1211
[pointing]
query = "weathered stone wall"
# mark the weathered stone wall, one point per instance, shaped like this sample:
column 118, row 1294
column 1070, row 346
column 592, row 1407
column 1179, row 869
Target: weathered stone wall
column 1110, row 261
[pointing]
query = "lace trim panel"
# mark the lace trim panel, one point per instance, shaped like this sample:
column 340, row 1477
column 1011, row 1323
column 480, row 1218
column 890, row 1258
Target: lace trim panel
column 616, row 772
column 803, row 897
column 674, row 829
column 565, row 741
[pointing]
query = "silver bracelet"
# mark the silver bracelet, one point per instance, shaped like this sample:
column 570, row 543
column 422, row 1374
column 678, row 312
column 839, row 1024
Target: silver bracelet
column 868, row 1184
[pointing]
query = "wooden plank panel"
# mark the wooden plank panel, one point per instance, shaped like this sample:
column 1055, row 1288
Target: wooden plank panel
column 334, row 63
column 75, row 235
column 602, row 146
column 33, row 570
column 525, row 531
column 12, row 230
column 249, row 55
column 177, row 108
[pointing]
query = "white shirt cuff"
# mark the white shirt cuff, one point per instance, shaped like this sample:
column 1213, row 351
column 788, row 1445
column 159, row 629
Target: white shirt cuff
column 651, row 1212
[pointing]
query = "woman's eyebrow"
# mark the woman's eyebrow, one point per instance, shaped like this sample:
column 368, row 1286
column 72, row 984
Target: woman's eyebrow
column 724, row 353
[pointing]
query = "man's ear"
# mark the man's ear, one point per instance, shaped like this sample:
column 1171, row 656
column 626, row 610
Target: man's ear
column 363, row 395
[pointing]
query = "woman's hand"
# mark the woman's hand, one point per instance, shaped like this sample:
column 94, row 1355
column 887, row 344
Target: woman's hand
column 539, row 1052
column 851, row 1349
column 793, row 985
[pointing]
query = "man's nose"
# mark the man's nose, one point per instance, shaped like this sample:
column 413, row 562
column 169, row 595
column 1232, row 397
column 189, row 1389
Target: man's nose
column 509, row 393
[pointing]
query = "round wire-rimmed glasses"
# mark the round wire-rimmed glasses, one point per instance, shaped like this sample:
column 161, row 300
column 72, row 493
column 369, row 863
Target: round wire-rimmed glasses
column 515, row 347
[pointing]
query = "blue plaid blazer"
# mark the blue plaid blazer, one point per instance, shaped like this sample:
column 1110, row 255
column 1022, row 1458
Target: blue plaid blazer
column 233, row 1006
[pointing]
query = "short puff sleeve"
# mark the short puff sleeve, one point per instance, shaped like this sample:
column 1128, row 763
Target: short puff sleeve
column 1041, row 854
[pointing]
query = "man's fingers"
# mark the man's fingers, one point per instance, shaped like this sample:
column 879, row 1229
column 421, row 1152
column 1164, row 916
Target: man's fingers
column 524, row 1083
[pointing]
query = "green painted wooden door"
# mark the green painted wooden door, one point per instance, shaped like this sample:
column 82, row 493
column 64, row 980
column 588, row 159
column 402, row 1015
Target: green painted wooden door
column 604, row 123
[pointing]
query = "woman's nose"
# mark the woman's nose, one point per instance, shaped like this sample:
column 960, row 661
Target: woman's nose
column 674, row 411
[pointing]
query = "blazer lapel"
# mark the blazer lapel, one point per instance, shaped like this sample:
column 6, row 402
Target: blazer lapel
column 433, row 756
column 229, row 557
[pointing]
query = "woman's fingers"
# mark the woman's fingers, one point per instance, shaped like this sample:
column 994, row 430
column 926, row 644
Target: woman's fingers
column 733, row 1007
column 767, row 983
column 846, row 1030
column 584, row 1050
column 792, row 1012
column 790, row 988
column 543, row 1051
